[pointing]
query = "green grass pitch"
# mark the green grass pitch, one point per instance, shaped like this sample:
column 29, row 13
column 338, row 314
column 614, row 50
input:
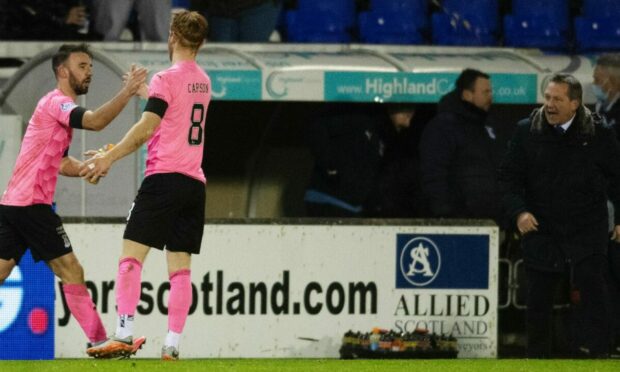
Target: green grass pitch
column 302, row 365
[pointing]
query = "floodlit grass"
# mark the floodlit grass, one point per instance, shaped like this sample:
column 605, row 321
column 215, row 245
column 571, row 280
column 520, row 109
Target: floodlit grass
column 301, row 365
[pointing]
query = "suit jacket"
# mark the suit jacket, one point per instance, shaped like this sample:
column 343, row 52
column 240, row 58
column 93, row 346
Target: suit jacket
column 563, row 181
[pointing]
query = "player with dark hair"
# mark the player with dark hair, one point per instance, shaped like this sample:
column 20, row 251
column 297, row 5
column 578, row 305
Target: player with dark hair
column 26, row 215
column 168, row 211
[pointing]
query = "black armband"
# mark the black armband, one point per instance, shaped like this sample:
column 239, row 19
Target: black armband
column 75, row 118
column 157, row 106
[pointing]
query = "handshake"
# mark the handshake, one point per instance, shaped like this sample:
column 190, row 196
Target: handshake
column 88, row 169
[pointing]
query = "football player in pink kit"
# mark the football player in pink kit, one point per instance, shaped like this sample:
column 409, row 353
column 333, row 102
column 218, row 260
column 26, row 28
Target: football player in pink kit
column 26, row 215
column 168, row 211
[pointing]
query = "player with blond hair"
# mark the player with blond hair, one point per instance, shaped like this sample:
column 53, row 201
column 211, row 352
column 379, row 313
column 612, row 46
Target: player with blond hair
column 168, row 212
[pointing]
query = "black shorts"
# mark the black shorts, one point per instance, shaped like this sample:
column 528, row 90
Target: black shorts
column 168, row 212
column 36, row 227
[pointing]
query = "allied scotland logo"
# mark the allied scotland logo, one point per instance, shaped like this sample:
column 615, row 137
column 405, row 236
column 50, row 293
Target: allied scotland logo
column 420, row 261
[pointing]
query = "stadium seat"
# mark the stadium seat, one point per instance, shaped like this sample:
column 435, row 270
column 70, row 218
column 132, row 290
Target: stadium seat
column 321, row 21
column 416, row 9
column 597, row 34
column 344, row 9
column 556, row 11
column 470, row 23
column 533, row 32
column 394, row 22
column 598, row 29
column 538, row 24
column 180, row 4
column 601, row 8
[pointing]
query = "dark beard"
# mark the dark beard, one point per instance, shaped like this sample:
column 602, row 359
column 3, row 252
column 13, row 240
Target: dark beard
column 79, row 89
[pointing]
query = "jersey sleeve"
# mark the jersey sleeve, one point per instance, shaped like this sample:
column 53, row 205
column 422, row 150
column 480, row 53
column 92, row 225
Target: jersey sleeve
column 160, row 89
column 60, row 109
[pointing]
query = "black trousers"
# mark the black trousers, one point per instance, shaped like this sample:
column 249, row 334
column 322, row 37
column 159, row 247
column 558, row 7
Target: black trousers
column 613, row 256
column 590, row 307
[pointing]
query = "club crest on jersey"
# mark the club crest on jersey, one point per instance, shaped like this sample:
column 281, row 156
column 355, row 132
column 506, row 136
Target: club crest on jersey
column 67, row 106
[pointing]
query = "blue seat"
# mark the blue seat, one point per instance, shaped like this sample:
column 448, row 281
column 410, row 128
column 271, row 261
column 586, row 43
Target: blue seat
column 394, row 22
column 556, row 11
column 533, row 32
column 344, row 9
column 538, row 24
column 597, row 34
column 469, row 23
column 599, row 28
column 384, row 28
column 416, row 9
column 601, row 8
column 185, row 4
column 321, row 21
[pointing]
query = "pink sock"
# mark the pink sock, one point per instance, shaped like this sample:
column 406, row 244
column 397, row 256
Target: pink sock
column 180, row 300
column 83, row 309
column 128, row 285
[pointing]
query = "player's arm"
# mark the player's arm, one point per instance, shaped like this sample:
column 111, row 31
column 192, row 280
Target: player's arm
column 98, row 166
column 135, row 137
column 100, row 118
column 70, row 167
column 154, row 111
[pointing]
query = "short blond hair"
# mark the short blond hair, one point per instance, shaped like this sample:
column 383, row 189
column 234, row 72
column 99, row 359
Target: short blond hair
column 190, row 28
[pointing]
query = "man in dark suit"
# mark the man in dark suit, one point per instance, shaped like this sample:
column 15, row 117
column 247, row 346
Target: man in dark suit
column 555, row 179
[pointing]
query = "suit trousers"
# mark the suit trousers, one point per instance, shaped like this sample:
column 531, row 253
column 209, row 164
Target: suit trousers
column 590, row 324
column 613, row 256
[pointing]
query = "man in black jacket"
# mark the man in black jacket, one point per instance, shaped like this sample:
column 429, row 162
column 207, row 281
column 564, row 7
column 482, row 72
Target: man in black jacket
column 456, row 153
column 606, row 89
column 348, row 150
column 555, row 176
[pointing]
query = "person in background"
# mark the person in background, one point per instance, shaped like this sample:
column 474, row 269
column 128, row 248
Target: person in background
column 247, row 21
column 397, row 193
column 45, row 20
column 347, row 150
column 561, row 165
column 110, row 18
column 606, row 89
column 457, row 166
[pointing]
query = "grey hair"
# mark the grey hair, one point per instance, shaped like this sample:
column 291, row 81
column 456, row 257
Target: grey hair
column 610, row 61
